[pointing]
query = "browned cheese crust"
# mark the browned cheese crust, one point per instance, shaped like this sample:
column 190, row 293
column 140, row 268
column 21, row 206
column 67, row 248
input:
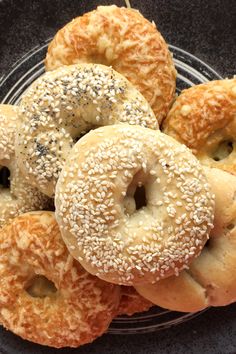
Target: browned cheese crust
column 131, row 302
column 203, row 117
column 124, row 39
column 82, row 307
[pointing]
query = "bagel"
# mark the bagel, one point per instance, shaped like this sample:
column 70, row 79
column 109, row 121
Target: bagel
column 112, row 235
column 16, row 195
column 65, row 103
column 8, row 122
column 203, row 117
column 45, row 295
column 124, row 39
column 211, row 278
column 131, row 302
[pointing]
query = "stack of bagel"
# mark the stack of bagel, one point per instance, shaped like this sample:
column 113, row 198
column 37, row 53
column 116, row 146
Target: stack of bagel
column 143, row 185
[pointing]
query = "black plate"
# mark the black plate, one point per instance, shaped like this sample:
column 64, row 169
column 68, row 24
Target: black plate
column 205, row 30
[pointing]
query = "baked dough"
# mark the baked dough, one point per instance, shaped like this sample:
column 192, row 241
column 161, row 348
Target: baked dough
column 211, row 277
column 203, row 117
column 103, row 224
column 45, row 295
column 131, row 302
column 66, row 103
column 124, row 39
column 17, row 196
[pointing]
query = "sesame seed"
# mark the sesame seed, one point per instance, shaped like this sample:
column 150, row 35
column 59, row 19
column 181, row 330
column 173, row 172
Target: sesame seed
column 119, row 245
column 64, row 99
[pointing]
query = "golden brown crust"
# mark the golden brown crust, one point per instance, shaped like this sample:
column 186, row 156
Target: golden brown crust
column 181, row 293
column 203, row 117
column 124, row 39
column 131, row 302
column 211, row 278
column 109, row 237
column 80, row 310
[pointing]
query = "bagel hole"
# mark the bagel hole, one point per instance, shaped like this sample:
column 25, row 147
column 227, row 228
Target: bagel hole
column 223, row 150
column 84, row 132
column 51, row 205
column 230, row 226
column 40, row 287
column 136, row 200
column 97, row 58
column 140, row 197
column 77, row 138
column 136, row 193
column 4, row 177
column 207, row 244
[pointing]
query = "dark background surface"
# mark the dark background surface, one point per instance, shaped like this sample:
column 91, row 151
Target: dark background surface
column 206, row 29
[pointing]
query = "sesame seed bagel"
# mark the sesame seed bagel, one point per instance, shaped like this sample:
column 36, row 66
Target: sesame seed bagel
column 8, row 122
column 62, row 105
column 45, row 295
column 203, row 117
column 124, row 39
column 16, row 195
column 123, row 238
column 131, row 302
column 211, row 278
